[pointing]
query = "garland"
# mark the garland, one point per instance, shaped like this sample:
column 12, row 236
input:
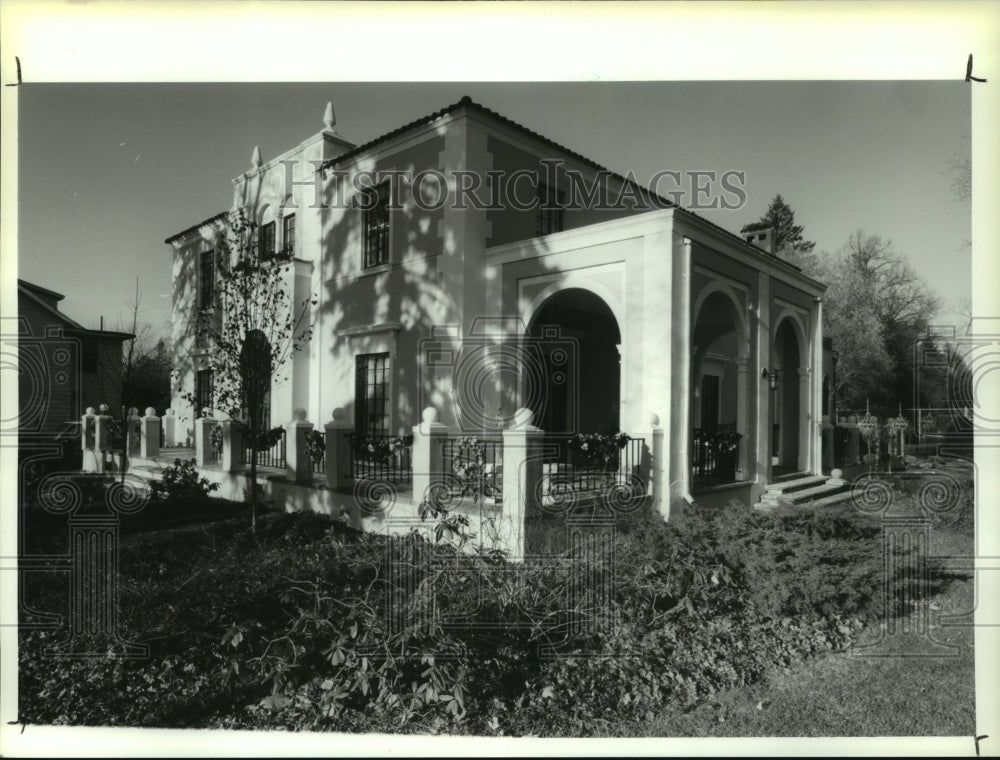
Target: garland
column 723, row 441
column 598, row 448
column 379, row 448
column 315, row 446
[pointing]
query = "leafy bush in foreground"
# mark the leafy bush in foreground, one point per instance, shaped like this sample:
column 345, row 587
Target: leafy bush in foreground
column 309, row 625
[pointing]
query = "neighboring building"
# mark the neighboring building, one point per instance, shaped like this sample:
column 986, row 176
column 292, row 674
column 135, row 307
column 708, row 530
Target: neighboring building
column 62, row 366
column 596, row 319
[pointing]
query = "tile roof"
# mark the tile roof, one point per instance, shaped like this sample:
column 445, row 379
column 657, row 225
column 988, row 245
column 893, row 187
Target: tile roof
column 468, row 102
column 195, row 227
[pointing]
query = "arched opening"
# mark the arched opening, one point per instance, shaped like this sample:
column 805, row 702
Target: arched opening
column 255, row 376
column 576, row 338
column 786, row 359
column 718, row 369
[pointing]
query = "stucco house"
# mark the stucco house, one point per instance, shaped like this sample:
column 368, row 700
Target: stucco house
column 467, row 263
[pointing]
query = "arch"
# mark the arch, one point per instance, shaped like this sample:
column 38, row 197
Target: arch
column 720, row 384
column 579, row 363
column 740, row 308
column 795, row 319
column 789, row 414
column 255, row 376
column 265, row 214
column 576, row 281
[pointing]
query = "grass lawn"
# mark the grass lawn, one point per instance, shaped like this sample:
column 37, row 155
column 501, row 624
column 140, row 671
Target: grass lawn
column 917, row 693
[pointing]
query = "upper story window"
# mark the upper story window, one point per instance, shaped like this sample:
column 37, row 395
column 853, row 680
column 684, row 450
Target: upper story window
column 288, row 234
column 549, row 211
column 206, row 284
column 376, row 226
column 265, row 240
column 204, row 386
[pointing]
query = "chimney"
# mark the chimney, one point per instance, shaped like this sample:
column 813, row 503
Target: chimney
column 762, row 237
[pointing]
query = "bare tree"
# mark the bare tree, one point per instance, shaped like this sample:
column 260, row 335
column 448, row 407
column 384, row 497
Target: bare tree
column 253, row 333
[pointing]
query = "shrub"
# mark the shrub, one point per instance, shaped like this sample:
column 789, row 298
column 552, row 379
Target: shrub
column 308, row 624
column 180, row 485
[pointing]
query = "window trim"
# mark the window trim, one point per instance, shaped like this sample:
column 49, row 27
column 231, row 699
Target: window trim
column 384, row 202
column 550, row 211
column 213, row 299
column 361, row 415
column 272, row 228
column 285, row 229
column 199, row 401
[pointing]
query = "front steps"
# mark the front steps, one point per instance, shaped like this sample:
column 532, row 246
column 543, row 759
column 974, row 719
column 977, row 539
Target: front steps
column 803, row 489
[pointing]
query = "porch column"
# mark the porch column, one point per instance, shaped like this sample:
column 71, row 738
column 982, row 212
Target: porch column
column 149, row 434
column 816, row 391
column 102, row 437
column 680, row 445
column 169, row 423
column 807, row 425
column 743, row 391
column 232, row 446
column 298, row 466
column 522, row 475
column 428, row 458
column 762, row 444
column 657, row 467
column 88, row 441
column 203, row 453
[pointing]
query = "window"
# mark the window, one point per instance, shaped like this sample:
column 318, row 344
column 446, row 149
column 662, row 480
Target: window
column 376, row 226
column 288, row 234
column 203, row 386
column 371, row 394
column 549, row 211
column 265, row 240
column 206, row 285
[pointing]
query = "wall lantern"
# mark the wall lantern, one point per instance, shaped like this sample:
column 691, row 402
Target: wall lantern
column 771, row 375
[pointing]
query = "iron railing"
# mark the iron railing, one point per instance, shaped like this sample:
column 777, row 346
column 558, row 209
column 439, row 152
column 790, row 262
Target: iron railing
column 272, row 457
column 715, row 456
column 591, row 472
column 371, row 459
column 319, row 466
column 473, row 467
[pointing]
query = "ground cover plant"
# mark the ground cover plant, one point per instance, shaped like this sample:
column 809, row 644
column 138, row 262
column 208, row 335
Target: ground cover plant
column 307, row 624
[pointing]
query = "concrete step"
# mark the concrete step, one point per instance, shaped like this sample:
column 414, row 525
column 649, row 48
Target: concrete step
column 789, row 476
column 810, row 495
column 798, row 484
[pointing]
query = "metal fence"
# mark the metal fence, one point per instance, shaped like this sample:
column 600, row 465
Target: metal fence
column 591, row 471
column 473, row 466
column 319, row 465
column 375, row 457
column 715, row 457
column 272, row 457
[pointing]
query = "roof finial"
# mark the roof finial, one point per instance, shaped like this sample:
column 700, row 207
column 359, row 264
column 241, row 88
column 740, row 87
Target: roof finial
column 255, row 160
column 329, row 120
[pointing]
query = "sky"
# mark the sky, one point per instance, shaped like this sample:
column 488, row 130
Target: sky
column 108, row 171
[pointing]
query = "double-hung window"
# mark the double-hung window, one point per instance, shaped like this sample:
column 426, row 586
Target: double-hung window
column 203, row 387
column 288, row 234
column 371, row 399
column 265, row 240
column 376, row 226
column 206, row 284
